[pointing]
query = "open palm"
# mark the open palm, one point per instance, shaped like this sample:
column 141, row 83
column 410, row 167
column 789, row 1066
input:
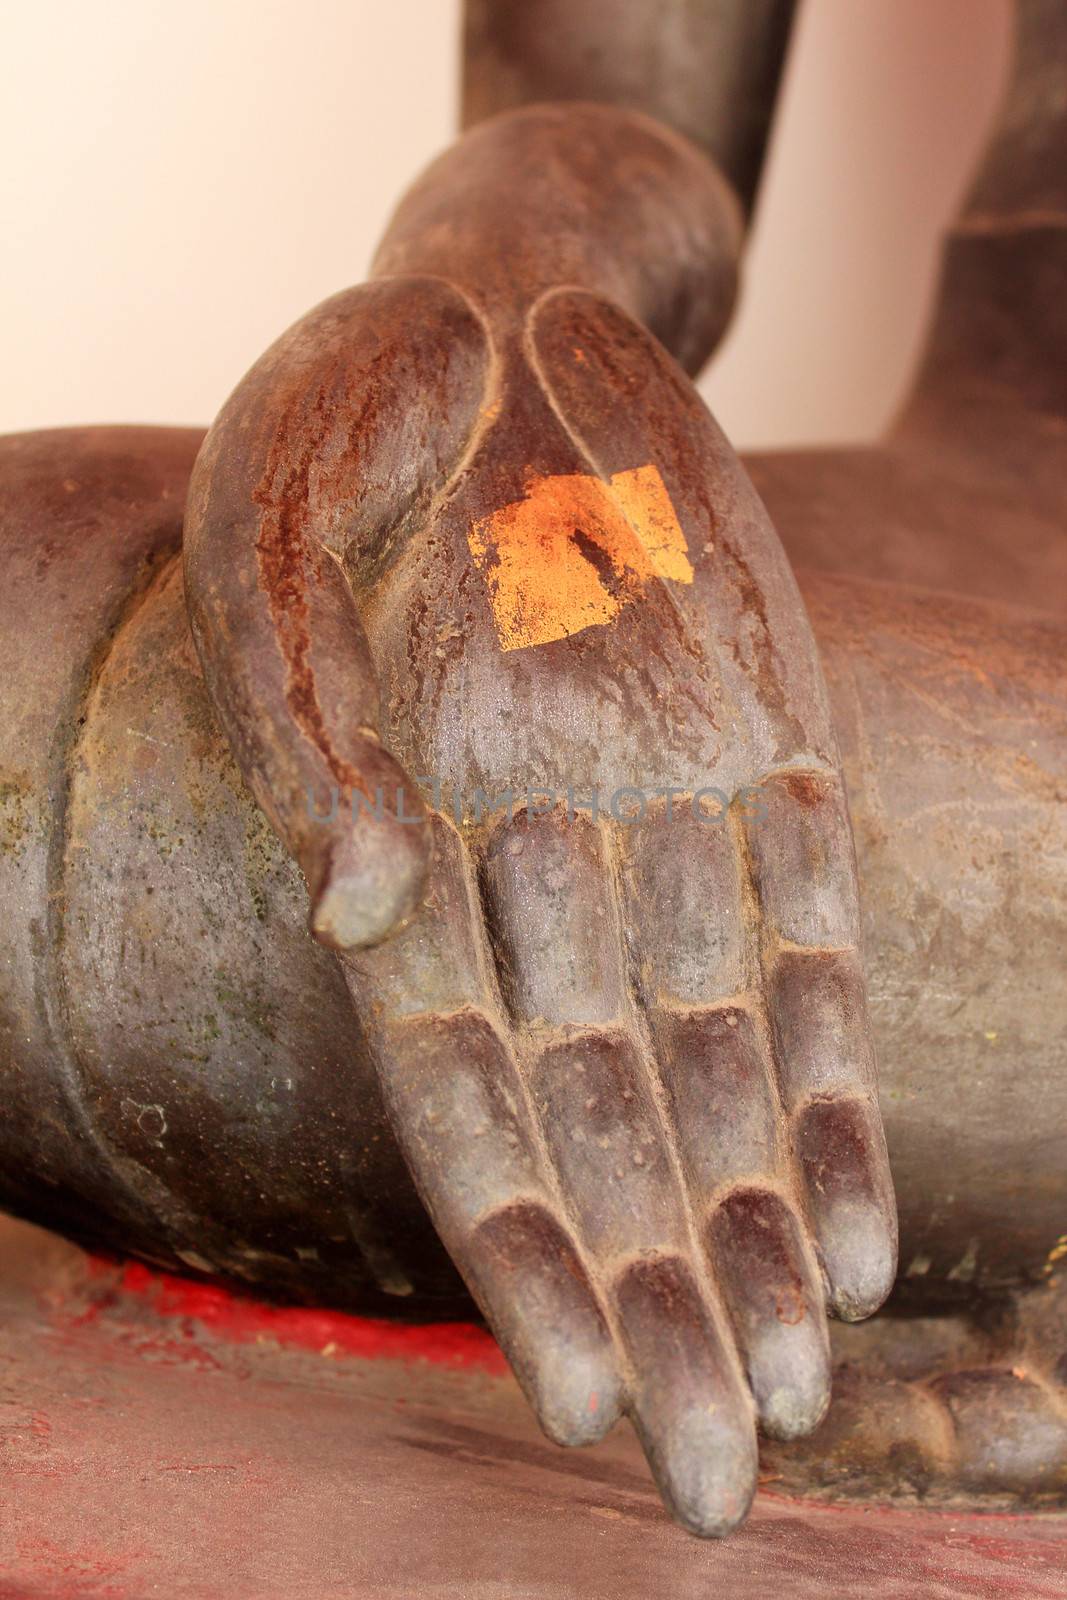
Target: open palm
column 506, row 560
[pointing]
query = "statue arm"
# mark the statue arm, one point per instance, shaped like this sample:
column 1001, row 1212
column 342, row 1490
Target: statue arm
column 629, row 1067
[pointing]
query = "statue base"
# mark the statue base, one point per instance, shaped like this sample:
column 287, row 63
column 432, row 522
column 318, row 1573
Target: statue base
column 165, row 1436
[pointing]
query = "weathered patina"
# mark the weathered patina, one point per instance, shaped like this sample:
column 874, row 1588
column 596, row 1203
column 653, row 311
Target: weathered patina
column 468, row 529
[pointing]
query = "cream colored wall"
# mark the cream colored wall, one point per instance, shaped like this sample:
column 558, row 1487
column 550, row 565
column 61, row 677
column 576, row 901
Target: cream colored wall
column 885, row 112
column 184, row 177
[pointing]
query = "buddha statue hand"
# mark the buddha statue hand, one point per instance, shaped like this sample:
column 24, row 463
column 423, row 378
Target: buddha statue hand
column 508, row 651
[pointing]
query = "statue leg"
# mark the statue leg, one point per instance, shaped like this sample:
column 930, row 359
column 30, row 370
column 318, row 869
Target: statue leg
column 240, row 1114
column 182, row 1075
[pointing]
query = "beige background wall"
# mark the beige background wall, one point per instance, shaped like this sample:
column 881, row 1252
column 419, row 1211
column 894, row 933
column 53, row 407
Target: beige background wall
column 183, row 178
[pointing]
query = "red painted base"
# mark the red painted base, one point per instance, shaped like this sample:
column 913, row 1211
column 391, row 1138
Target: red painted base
column 159, row 1437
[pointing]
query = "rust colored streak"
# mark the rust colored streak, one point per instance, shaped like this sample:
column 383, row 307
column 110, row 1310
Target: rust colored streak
column 768, row 667
column 283, row 552
column 805, row 789
column 574, row 551
column 789, row 1305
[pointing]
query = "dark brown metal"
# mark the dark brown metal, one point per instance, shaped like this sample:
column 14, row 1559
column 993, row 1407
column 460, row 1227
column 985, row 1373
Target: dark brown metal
column 969, row 494
column 708, row 68
column 481, row 482
column 186, row 1073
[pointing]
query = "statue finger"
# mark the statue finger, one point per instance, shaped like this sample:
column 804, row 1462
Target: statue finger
column 687, row 1398
column 765, row 1269
column 335, row 439
column 460, row 1109
column 552, row 905
column 803, row 870
column 684, row 888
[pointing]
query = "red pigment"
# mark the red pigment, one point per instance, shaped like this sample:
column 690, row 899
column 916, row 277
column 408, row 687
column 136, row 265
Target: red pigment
column 242, row 1320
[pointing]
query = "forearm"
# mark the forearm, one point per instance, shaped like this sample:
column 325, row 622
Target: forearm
column 581, row 196
column 708, row 68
